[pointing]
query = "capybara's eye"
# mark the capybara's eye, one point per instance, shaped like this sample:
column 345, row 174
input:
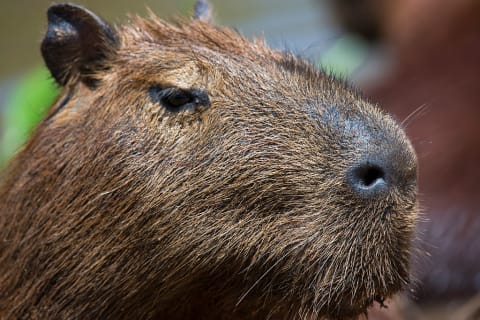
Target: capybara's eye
column 173, row 99
column 177, row 99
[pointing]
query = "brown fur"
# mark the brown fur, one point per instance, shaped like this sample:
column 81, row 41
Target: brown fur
column 120, row 209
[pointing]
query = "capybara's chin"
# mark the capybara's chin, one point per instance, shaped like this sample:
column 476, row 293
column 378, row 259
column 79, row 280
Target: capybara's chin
column 186, row 172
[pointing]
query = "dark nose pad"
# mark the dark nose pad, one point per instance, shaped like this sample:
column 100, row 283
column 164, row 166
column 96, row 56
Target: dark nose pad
column 368, row 179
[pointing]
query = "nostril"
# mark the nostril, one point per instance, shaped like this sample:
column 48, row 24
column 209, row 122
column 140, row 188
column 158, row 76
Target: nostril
column 370, row 175
column 368, row 178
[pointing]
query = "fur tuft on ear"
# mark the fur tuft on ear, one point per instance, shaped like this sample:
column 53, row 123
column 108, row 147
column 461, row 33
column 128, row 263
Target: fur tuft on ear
column 76, row 44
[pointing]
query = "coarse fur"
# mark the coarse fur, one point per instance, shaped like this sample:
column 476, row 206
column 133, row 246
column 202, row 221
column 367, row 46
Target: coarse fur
column 119, row 208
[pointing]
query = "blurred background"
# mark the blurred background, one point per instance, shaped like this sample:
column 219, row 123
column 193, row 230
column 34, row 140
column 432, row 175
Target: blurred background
column 419, row 59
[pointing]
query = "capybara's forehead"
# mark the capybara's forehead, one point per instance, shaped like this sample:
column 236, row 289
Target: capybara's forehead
column 183, row 35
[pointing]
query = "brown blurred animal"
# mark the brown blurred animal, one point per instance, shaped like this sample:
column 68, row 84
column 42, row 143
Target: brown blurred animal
column 189, row 173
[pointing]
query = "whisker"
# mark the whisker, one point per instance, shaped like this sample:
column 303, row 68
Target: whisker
column 415, row 114
column 264, row 275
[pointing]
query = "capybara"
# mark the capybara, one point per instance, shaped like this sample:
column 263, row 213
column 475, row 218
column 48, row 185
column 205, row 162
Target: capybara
column 188, row 173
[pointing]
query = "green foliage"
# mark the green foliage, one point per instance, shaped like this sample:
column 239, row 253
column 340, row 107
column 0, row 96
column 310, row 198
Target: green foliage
column 26, row 105
column 345, row 56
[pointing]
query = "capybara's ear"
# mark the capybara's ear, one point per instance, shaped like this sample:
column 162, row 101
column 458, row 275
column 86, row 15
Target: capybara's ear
column 202, row 11
column 76, row 44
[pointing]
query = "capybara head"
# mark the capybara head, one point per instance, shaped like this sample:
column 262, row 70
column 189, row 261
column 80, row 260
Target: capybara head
column 187, row 172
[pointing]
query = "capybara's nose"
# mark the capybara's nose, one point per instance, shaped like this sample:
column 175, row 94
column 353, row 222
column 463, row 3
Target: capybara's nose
column 378, row 175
